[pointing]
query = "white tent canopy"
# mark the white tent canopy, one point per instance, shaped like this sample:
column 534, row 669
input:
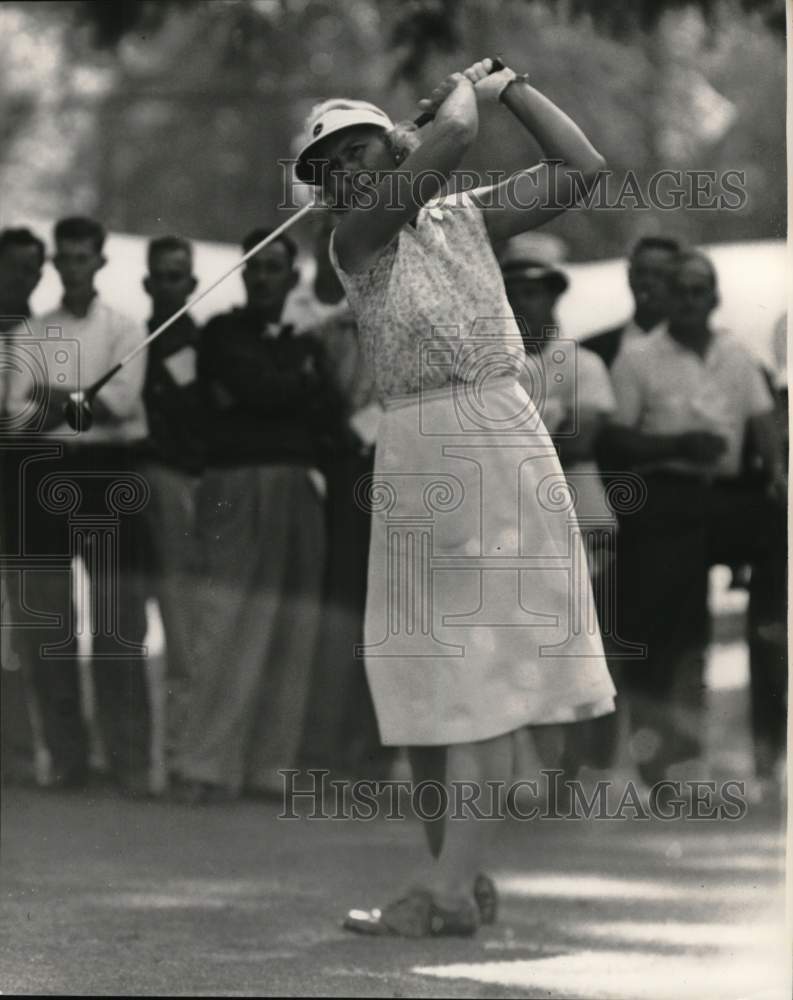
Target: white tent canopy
column 752, row 286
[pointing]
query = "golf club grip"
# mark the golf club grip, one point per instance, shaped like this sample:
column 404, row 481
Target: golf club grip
column 426, row 116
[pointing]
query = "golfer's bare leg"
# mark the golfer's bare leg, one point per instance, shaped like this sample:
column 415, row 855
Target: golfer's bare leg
column 467, row 839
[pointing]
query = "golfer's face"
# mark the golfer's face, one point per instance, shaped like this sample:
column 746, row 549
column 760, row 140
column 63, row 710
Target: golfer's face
column 355, row 158
column 269, row 277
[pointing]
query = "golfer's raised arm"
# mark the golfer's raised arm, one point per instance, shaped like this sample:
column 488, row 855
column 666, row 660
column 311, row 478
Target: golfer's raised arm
column 364, row 231
column 533, row 196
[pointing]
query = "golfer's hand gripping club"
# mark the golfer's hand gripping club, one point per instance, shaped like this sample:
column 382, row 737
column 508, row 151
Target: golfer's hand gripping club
column 78, row 411
column 426, row 116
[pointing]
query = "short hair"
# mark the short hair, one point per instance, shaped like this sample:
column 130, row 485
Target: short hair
column 696, row 256
column 257, row 235
column 656, row 243
column 22, row 237
column 79, row 227
column 168, row 244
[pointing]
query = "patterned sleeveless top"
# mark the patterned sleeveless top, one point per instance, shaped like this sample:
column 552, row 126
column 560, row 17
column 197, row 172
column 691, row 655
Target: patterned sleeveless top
column 431, row 308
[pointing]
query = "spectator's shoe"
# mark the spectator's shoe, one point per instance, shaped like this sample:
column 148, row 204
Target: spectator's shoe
column 274, row 790
column 486, row 897
column 198, row 793
column 68, row 779
column 18, row 769
column 136, row 785
column 416, row 915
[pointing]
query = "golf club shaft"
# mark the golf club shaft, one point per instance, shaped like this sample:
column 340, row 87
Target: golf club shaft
column 92, row 390
column 423, row 119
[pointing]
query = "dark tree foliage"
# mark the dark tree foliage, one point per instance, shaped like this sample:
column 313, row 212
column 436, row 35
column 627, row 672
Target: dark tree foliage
column 423, row 28
column 622, row 18
column 112, row 21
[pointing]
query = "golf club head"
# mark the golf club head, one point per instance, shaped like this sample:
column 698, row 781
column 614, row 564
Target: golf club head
column 78, row 412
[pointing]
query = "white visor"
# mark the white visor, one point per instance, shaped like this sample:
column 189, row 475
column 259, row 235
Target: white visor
column 334, row 120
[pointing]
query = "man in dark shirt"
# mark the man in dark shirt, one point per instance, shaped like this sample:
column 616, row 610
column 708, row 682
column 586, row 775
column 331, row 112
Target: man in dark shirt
column 268, row 407
column 175, row 461
column 21, row 263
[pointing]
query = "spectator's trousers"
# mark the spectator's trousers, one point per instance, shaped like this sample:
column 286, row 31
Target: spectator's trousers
column 260, row 590
column 86, row 502
column 341, row 728
column 175, row 543
column 665, row 551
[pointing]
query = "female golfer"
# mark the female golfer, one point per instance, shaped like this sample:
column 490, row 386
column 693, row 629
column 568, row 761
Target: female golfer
column 473, row 593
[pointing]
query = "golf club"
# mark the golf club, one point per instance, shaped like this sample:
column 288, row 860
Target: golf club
column 78, row 410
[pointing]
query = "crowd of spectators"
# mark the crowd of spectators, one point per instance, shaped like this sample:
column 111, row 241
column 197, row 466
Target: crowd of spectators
column 219, row 478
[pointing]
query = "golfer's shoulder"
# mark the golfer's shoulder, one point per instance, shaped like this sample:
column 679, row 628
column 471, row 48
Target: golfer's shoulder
column 462, row 210
column 357, row 266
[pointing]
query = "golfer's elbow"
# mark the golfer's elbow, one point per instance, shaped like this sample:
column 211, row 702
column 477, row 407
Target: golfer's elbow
column 458, row 130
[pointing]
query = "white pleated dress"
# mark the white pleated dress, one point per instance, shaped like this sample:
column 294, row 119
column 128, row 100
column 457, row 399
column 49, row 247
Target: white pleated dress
column 479, row 612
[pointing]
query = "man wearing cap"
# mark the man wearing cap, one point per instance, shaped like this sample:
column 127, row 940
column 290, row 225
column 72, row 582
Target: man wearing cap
column 571, row 388
column 568, row 383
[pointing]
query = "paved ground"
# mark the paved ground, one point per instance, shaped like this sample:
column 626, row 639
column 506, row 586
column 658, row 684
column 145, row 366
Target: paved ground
column 102, row 896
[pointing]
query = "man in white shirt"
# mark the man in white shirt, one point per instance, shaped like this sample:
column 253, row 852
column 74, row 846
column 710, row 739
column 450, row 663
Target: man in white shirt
column 687, row 398
column 81, row 498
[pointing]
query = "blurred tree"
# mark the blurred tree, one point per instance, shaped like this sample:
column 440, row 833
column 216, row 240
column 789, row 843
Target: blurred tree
column 173, row 115
column 423, row 27
column 111, row 22
column 626, row 18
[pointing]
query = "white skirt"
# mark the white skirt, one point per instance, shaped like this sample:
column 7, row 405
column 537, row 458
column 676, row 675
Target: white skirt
column 479, row 613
